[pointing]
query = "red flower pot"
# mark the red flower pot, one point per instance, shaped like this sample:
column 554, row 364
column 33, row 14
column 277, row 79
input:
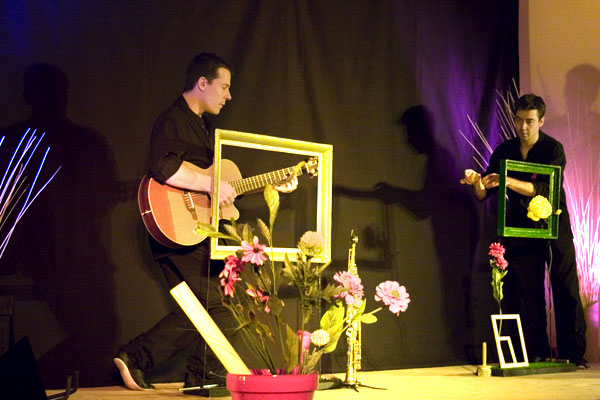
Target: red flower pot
column 289, row 387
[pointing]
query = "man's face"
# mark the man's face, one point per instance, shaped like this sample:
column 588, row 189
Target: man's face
column 527, row 125
column 216, row 92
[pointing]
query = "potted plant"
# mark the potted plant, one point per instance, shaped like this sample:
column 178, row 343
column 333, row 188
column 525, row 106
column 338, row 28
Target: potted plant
column 250, row 289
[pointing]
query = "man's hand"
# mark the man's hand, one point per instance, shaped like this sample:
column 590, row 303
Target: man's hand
column 227, row 194
column 471, row 177
column 288, row 186
column 491, row 181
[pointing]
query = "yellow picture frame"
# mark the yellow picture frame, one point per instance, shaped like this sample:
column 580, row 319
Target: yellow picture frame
column 324, row 155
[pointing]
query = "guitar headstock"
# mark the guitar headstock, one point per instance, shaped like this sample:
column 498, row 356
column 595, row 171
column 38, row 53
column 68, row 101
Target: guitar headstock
column 311, row 166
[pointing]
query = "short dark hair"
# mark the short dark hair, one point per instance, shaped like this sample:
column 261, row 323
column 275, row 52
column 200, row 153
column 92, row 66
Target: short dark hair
column 203, row 65
column 531, row 102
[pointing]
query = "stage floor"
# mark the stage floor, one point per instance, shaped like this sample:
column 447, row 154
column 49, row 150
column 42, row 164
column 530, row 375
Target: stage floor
column 453, row 382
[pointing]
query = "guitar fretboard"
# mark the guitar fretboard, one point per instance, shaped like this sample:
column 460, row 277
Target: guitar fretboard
column 259, row 181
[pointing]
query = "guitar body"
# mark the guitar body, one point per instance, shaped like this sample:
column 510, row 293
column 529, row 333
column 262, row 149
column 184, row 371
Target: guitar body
column 167, row 212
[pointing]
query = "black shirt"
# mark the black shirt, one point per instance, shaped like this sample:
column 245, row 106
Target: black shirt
column 546, row 150
column 179, row 135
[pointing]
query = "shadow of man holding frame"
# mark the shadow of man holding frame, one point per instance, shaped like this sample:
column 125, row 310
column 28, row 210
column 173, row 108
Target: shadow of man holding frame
column 453, row 221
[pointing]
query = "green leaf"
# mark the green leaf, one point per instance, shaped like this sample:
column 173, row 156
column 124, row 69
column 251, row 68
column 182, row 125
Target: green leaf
column 272, row 199
column 362, row 307
column 331, row 290
column 247, row 233
column 322, row 268
column 264, row 229
column 292, row 346
column 287, row 269
column 232, row 231
column 368, row 319
column 209, row 230
column 262, row 329
column 275, row 305
column 333, row 319
column 333, row 340
column 310, row 361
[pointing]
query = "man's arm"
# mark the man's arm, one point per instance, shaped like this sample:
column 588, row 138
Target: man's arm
column 521, row 187
column 187, row 177
column 473, row 179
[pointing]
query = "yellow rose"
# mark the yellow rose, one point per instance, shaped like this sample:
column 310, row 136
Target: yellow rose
column 539, row 208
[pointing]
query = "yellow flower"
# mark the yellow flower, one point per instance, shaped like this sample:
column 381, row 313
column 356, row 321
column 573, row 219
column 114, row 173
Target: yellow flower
column 320, row 337
column 539, row 208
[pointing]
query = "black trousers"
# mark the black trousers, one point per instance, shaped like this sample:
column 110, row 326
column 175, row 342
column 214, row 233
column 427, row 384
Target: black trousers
column 175, row 332
column 524, row 294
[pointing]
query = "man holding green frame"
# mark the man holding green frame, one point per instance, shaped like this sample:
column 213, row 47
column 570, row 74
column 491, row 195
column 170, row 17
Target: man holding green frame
column 524, row 284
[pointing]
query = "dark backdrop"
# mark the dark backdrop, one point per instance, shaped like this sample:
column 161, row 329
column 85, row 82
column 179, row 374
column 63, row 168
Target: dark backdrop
column 388, row 83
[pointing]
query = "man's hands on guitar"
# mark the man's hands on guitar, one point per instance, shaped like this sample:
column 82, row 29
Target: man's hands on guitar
column 227, row 194
column 288, row 185
column 190, row 177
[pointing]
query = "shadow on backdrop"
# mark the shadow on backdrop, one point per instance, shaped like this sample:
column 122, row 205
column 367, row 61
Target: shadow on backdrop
column 578, row 126
column 455, row 226
column 58, row 265
column 453, row 221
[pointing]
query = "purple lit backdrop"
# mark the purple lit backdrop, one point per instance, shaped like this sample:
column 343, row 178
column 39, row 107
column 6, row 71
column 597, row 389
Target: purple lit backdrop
column 461, row 56
column 388, row 83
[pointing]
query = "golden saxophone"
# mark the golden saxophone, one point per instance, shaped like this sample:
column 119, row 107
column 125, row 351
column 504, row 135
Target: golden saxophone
column 353, row 333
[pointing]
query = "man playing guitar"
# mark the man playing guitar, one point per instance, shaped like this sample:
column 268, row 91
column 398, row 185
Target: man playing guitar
column 181, row 147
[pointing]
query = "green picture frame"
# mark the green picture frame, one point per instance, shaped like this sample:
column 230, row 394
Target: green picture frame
column 324, row 154
column 555, row 176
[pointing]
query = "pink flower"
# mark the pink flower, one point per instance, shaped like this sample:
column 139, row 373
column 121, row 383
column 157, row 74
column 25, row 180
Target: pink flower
column 233, row 266
column 352, row 283
column 228, row 283
column 496, row 250
column 257, row 294
column 393, row 295
column 304, row 337
column 501, row 263
column 253, row 252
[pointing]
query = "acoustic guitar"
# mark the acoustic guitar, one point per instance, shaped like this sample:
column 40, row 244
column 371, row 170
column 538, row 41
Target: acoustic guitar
column 171, row 215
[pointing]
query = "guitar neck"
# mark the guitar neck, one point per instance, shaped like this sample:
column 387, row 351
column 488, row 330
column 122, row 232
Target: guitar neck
column 259, row 181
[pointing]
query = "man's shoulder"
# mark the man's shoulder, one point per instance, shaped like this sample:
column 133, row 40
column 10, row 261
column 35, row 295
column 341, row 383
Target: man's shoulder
column 175, row 114
column 546, row 137
column 507, row 144
column 175, row 109
column 548, row 141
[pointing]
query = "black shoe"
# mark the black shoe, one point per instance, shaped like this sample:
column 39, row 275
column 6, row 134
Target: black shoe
column 133, row 378
column 582, row 364
column 211, row 380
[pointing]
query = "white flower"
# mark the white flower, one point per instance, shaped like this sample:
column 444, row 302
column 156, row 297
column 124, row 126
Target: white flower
column 320, row 337
column 311, row 243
